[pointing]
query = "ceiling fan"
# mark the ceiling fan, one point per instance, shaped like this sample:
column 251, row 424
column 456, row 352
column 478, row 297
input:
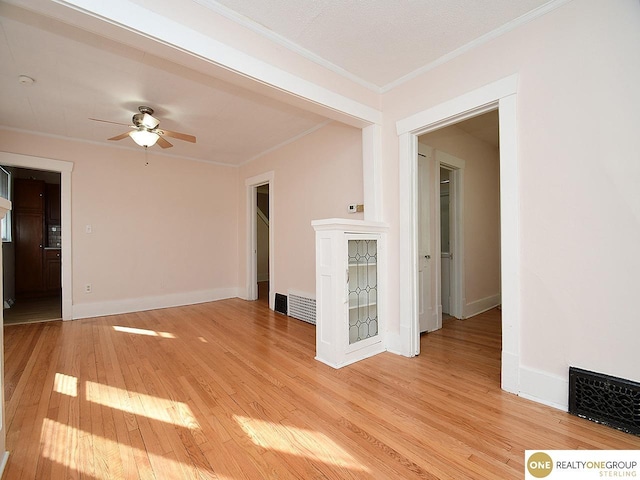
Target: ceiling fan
column 145, row 130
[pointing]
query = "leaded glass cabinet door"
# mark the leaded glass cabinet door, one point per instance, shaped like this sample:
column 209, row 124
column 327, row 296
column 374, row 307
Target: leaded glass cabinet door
column 362, row 290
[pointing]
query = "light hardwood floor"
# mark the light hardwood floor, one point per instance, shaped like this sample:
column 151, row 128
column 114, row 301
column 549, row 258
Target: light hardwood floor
column 230, row 390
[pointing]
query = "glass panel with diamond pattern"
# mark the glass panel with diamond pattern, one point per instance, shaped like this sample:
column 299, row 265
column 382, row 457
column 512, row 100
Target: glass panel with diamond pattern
column 363, row 290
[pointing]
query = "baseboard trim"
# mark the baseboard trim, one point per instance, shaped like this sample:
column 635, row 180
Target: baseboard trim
column 351, row 358
column 544, row 388
column 116, row 307
column 3, row 462
column 482, row 305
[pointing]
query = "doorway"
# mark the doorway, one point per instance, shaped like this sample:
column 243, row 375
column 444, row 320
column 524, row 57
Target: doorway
column 262, row 242
column 260, row 228
column 502, row 95
column 441, row 274
column 445, row 240
column 63, row 169
column 32, row 267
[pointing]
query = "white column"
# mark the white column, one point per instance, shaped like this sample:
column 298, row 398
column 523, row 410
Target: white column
column 371, row 170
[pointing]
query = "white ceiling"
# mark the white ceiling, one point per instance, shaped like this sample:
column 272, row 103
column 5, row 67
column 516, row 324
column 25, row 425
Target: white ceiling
column 80, row 74
column 379, row 41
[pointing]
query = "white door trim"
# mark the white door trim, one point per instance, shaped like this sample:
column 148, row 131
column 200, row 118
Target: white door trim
column 64, row 168
column 252, row 185
column 501, row 94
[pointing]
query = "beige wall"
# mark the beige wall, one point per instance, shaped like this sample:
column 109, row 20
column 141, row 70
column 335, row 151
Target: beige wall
column 159, row 230
column 577, row 144
column 481, row 209
column 169, row 229
column 316, row 177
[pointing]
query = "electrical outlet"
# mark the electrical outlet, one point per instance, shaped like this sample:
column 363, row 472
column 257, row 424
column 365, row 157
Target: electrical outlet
column 353, row 208
column 87, row 288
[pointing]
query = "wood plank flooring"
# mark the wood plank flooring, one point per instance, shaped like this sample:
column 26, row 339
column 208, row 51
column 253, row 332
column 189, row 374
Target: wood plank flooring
column 31, row 310
column 230, row 390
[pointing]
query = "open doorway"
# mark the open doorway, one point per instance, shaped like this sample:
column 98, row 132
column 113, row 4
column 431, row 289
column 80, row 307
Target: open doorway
column 32, row 246
column 260, row 228
column 262, row 242
column 500, row 94
column 63, row 169
column 465, row 218
column 446, row 223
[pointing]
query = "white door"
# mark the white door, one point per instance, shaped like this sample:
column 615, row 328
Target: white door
column 427, row 315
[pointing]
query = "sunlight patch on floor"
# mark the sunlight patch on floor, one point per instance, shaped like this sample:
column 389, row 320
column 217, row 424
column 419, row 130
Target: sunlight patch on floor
column 169, row 411
column 143, row 331
column 297, row 441
column 65, row 384
column 60, row 444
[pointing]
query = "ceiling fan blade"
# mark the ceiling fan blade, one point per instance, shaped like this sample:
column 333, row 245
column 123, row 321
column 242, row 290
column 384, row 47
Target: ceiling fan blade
column 163, row 143
column 178, row 135
column 108, row 121
column 120, row 137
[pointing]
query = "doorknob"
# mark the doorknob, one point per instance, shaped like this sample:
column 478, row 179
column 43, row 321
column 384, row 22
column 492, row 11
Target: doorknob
column 428, row 257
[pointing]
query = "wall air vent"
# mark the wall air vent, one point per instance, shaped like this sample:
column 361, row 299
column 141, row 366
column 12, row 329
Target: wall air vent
column 302, row 306
column 280, row 304
column 604, row 399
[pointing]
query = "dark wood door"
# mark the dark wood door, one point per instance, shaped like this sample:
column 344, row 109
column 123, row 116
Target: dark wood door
column 29, row 228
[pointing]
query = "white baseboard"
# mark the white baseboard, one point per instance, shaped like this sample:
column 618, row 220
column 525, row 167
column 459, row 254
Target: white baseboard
column 115, row 307
column 354, row 357
column 544, row 388
column 482, row 305
column 3, row 462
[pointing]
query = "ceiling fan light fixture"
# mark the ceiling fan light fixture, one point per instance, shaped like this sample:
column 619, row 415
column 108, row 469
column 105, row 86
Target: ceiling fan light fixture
column 144, row 137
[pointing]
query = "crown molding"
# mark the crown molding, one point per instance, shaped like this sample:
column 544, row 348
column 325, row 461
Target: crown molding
column 285, row 42
column 507, row 27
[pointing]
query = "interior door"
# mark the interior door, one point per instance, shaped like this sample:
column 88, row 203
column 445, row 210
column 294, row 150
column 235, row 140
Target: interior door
column 426, row 317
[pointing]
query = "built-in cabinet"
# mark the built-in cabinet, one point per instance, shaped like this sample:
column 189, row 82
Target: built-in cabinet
column 52, row 204
column 52, row 270
column 36, row 211
column 350, row 290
